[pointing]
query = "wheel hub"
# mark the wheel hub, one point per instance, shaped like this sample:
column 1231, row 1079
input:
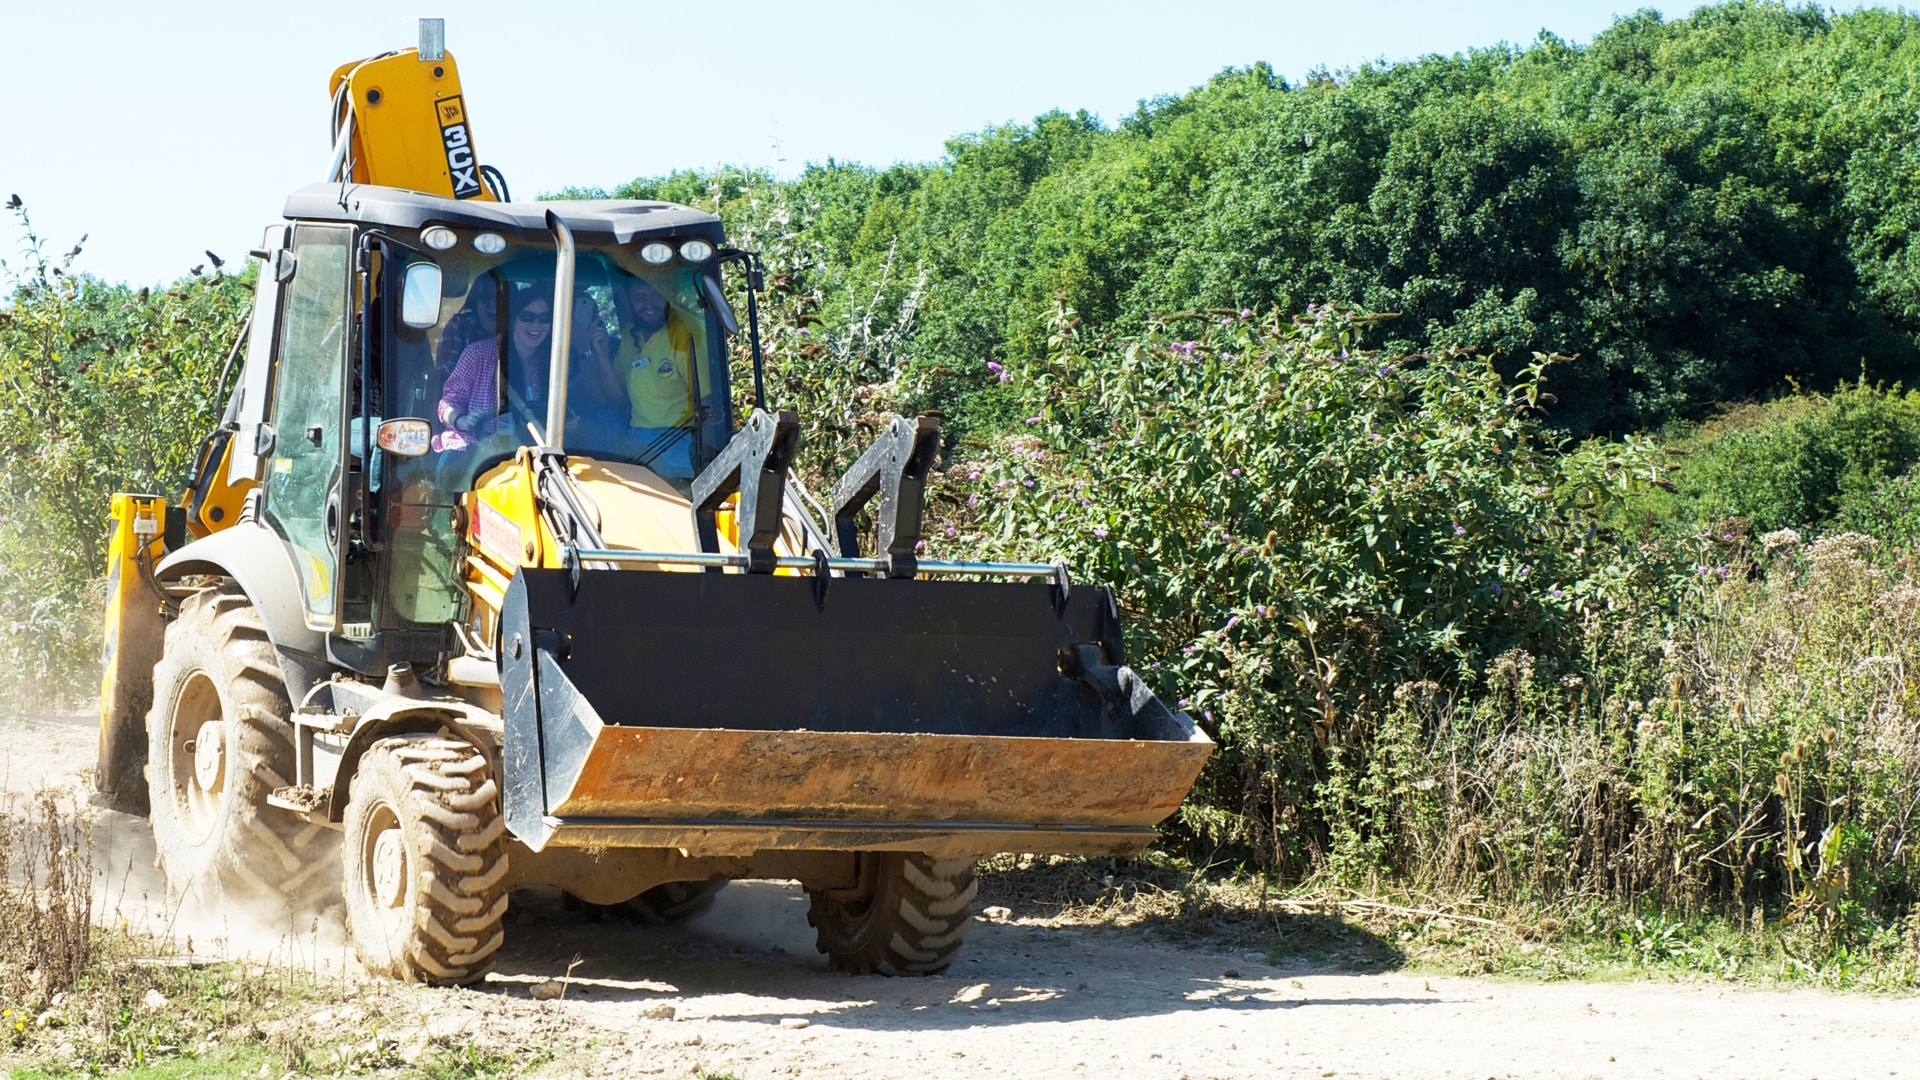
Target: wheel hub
column 389, row 868
column 210, row 757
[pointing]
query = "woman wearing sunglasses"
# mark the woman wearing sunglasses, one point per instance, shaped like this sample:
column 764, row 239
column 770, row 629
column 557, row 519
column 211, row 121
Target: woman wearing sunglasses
column 474, row 399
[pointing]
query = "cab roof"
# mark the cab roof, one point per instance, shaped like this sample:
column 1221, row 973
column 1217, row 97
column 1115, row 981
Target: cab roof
column 619, row 221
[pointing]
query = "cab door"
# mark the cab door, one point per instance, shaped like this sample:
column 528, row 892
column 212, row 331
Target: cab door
column 306, row 473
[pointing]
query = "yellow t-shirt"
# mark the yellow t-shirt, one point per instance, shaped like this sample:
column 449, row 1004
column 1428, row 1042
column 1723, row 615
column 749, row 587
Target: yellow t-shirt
column 659, row 374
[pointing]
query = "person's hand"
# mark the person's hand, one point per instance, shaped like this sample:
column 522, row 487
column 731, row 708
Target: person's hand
column 599, row 344
column 467, row 421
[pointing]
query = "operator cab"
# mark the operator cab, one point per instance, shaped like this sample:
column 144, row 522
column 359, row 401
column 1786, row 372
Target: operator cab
column 391, row 305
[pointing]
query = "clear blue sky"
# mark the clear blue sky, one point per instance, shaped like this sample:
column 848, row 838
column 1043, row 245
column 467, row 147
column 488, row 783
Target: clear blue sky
column 166, row 129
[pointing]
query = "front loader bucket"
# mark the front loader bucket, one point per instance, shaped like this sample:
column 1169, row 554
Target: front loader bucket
column 725, row 714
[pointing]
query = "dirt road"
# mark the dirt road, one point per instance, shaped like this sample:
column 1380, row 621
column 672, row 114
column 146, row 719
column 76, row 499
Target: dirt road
column 741, row 991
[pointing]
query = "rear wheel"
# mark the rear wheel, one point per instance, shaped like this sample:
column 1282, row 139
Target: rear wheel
column 907, row 916
column 672, row 902
column 426, row 861
column 219, row 742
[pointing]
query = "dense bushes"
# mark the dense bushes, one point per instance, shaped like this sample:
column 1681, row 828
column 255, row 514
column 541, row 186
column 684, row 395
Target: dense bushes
column 1395, row 599
column 105, row 389
column 1298, row 526
column 1802, row 461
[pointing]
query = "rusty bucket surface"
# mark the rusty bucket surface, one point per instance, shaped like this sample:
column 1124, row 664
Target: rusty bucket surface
column 728, row 713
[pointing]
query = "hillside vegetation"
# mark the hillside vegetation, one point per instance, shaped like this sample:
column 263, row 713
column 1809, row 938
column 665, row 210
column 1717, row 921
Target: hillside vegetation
column 1501, row 455
column 1692, row 210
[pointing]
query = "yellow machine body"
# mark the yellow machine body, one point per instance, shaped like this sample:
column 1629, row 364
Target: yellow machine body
column 410, row 127
column 212, row 502
column 134, row 634
column 724, row 687
column 634, row 510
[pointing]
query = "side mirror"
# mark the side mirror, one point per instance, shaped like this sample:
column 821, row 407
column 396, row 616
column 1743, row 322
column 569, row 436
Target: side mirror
column 420, row 298
column 405, row 437
column 717, row 300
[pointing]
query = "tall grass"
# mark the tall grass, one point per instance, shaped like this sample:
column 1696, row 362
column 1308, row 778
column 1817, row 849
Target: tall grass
column 46, row 895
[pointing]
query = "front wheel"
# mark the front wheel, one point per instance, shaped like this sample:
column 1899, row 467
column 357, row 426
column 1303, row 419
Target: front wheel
column 426, row 861
column 219, row 742
column 907, row 916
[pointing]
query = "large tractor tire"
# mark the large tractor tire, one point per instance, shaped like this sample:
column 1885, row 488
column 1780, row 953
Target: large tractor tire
column 219, row 741
column 426, row 861
column 908, row 918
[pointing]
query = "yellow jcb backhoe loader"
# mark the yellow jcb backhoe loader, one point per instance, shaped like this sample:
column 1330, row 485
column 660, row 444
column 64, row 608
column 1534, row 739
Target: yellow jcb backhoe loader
column 479, row 585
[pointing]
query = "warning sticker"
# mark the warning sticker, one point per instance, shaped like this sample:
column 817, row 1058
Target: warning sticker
column 498, row 536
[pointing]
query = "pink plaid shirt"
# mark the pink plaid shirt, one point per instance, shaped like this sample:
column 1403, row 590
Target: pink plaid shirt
column 474, row 386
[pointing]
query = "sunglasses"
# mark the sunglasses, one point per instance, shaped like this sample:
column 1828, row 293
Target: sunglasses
column 533, row 317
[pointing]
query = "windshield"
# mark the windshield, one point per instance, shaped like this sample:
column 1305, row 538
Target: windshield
column 646, row 377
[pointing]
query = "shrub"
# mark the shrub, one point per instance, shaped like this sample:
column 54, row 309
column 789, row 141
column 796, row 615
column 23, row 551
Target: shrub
column 107, row 389
column 1296, row 526
column 1799, row 462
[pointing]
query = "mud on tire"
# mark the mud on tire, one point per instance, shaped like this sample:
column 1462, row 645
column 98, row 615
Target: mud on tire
column 426, row 860
column 218, row 743
column 907, row 917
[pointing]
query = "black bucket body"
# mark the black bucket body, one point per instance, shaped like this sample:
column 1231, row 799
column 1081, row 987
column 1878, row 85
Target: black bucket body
column 725, row 713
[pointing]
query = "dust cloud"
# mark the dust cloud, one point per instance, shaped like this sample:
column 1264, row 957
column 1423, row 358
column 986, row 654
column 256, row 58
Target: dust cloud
column 130, row 892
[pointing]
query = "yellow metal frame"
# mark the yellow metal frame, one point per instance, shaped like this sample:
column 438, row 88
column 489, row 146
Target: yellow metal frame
column 220, row 506
column 410, row 125
column 133, row 640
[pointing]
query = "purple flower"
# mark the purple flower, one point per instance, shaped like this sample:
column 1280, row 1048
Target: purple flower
column 1183, row 703
column 1190, row 650
column 1233, row 472
column 1555, row 592
column 995, row 367
column 1459, row 530
column 1260, row 610
column 1028, row 482
column 951, row 531
column 1377, row 437
column 1525, row 569
column 1100, row 531
column 1496, row 588
column 1207, row 716
column 973, row 500
column 804, row 332
column 1233, row 622
column 1246, row 313
column 920, row 545
column 1006, row 376
column 973, row 474
column 1032, row 420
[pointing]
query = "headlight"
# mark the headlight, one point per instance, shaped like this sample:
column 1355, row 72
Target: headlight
column 696, row 251
column 489, row 243
column 438, row 237
column 656, row 252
